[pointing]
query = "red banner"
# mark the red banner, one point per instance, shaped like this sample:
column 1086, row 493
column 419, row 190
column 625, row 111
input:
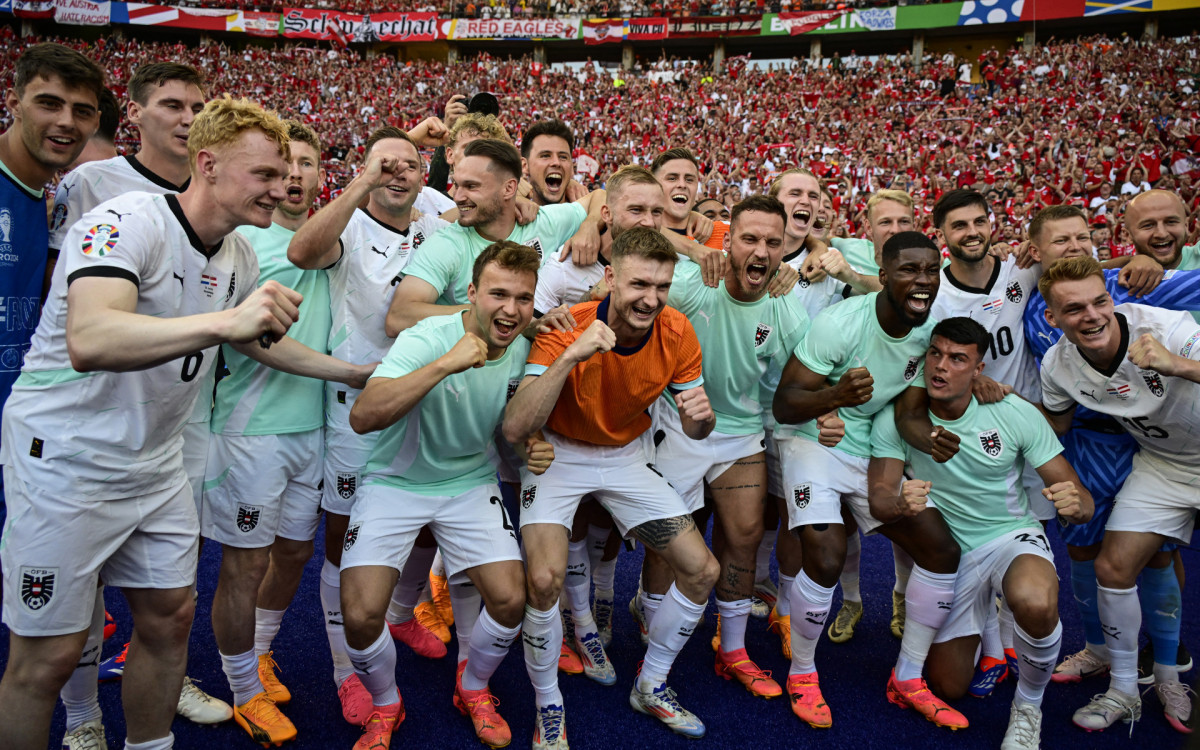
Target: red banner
column 806, row 21
column 144, row 14
column 309, row 23
column 713, row 26
column 603, row 31
column 33, row 8
column 646, row 29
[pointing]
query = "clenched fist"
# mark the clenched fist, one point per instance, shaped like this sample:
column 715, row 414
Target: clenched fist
column 469, row 351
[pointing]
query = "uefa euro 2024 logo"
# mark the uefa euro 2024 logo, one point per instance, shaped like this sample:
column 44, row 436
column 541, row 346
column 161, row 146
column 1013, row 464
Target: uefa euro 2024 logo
column 5, row 225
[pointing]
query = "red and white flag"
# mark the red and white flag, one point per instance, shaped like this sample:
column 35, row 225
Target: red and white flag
column 808, row 20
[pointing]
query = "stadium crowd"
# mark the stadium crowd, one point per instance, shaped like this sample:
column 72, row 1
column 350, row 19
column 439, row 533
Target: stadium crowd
column 1067, row 121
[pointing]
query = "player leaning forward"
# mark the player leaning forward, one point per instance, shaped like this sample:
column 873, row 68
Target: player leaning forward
column 589, row 388
column 438, row 398
column 146, row 288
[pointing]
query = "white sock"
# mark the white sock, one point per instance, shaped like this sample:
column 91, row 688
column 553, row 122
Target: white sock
column 542, row 638
column 577, row 589
column 413, row 580
column 331, row 603
column 1121, row 615
column 762, row 558
column 1004, row 618
column 266, row 627
column 604, row 574
column 465, row 601
column 649, row 604
column 596, row 541
column 242, row 672
column 438, row 566
column 989, row 640
column 162, row 743
column 903, row 565
column 375, row 666
column 734, row 617
column 929, row 597
column 1038, row 657
column 811, row 601
column 487, row 651
column 673, row 624
column 849, row 580
column 80, row 694
column 783, row 605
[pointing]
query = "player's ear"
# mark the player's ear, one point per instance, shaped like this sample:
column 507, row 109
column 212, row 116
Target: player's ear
column 206, row 164
column 524, row 167
column 609, row 276
column 726, row 243
column 1034, row 252
column 471, row 294
column 606, row 215
column 510, row 188
column 1050, row 316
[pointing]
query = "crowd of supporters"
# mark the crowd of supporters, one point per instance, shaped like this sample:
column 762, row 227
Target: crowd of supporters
column 1090, row 121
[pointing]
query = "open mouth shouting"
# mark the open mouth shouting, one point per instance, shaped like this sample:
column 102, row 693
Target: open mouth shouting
column 505, row 328
column 555, row 182
column 756, row 274
column 802, row 218
column 919, row 303
column 681, row 200
column 295, row 194
column 1093, row 333
column 642, row 314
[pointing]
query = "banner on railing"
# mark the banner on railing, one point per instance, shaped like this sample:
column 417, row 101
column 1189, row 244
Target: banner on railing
column 254, row 23
column 646, row 29
column 714, row 26
column 83, row 12
column 808, row 20
column 33, row 8
column 603, row 31
column 510, row 28
column 307, row 23
column 145, row 14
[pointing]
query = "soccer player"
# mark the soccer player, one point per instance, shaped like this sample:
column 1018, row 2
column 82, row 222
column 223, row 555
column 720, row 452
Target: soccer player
column 262, row 498
column 1101, row 450
column 152, row 285
column 365, row 252
column 1135, row 363
column 856, row 357
column 438, row 398
column 743, row 331
column 980, row 495
column 888, row 212
column 547, row 164
column 1157, row 221
column 590, row 388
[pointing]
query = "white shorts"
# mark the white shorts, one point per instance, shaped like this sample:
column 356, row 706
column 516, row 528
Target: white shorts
column 471, row 529
column 262, row 486
column 622, row 478
column 1150, row 501
column 817, row 480
column 774, row 465
column 1043, row 509
column 688, row 464
column 195, row 458
column 981, row 577
column 346, row 453
column 55, row 549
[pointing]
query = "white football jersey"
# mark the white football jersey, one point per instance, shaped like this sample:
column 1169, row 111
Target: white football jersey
column 94, row 182
column 1161, row 413
column 106, row 435
column 561, row 282
column 1000, row 308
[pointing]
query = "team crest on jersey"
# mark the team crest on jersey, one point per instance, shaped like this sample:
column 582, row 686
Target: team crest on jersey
column 910, row 370
column 418, row 238
column 232, row 286
column 761, row 334
column 351, row 537
column 801, row 495
column 247, row 517
column 1154, row 382
column 536, row 244
column 37, row 587
column 100, row 240
column 803, row 283
column 346, row 484
column 1014, row 292
column 512, row 389
column 527, row 496
column 59, row 218
column 991, row 443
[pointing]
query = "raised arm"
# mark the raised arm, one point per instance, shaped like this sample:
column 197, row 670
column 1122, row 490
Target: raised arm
column 290, row 356
column 802, row 394
column 415, row 300
column 318, row 244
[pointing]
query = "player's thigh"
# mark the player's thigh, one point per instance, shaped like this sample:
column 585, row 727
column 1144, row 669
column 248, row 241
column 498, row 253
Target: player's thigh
column 54, row 548
column 384, row 527
column 300, row 512
column 1030, row 588
column 815, row 479
column 195, row 458
column 162, row 550
column 346, row 454
column 473, row 529
column 739, row 494
column 927, row 539
column 553, row 496
column 1123, row 555
column 243, row 490
column 683, row 461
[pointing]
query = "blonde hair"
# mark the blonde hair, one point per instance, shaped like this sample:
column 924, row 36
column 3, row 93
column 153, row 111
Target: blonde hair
column 887, row 194
column 777, row 184
column 1069, row 269
column 222, row 122
column 480, row 125
column 630, row 174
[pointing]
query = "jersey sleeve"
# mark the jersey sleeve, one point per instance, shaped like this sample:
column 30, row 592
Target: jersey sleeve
column 547, row 347
column 686, row 288
column 549, row 292
column 103, row 244
column 437, row 262
column 412, row 350
column 885, row 438
column 1038, row 441
column 1181, row 334
column 561, row 222
column 68, row 207
column 822, row 347
column 1055, row 397
column 689, row 372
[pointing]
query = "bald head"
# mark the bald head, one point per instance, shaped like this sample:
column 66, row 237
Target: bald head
column 1157, row 223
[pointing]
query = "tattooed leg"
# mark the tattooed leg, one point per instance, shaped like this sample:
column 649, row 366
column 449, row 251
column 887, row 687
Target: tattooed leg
column 679, row 543
column 738, row 496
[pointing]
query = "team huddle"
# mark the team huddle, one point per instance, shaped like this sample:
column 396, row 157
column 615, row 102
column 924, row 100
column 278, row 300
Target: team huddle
column 626, row 363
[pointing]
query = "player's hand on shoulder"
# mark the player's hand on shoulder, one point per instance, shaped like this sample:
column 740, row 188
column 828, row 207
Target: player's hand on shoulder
column 558, row 319
column 576, row 191
column 1067, row 503
column 469, row 351
column 855, row 387
column 1025, row 255
column 914, row 496
column 1147, row 353
column 693, row 403
column 699, row 227
column 597, row 338
column 784, row 282
column 265, row 315
column 1141, row 275
column 713, row 264
column 540, row 454
column 583, row 247
column 988, row 391
column 831, row 429
column 527, row 211
column 944, row 444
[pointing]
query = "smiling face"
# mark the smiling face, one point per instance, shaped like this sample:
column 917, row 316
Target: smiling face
column 1083, row 310
column 1061, row 238
column 639, row 293
column 822, row 226
column 502, row 305
column 400, row 193
column 755, row 245
column 480, row 194
column 549, row 168
column 55, row 121
column 166, row 118
column 1157, row 223
column 885, row 219
column 800, row 195
column 247, row 177
column 910, row 283
column 967, row 232
column 680, row 181
column 636, row 205
column 951, row 368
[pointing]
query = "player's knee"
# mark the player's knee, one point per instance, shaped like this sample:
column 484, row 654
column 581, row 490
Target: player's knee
column 291, row 555
column 170, row 625
column 43, row 675
column 703, row 577
column 823, row 566
column 543, row 585
column 944, row 683
column 1114, row 573
column 1035, row 608
column 362, row 625
column 942, row 558
column 508, row 607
